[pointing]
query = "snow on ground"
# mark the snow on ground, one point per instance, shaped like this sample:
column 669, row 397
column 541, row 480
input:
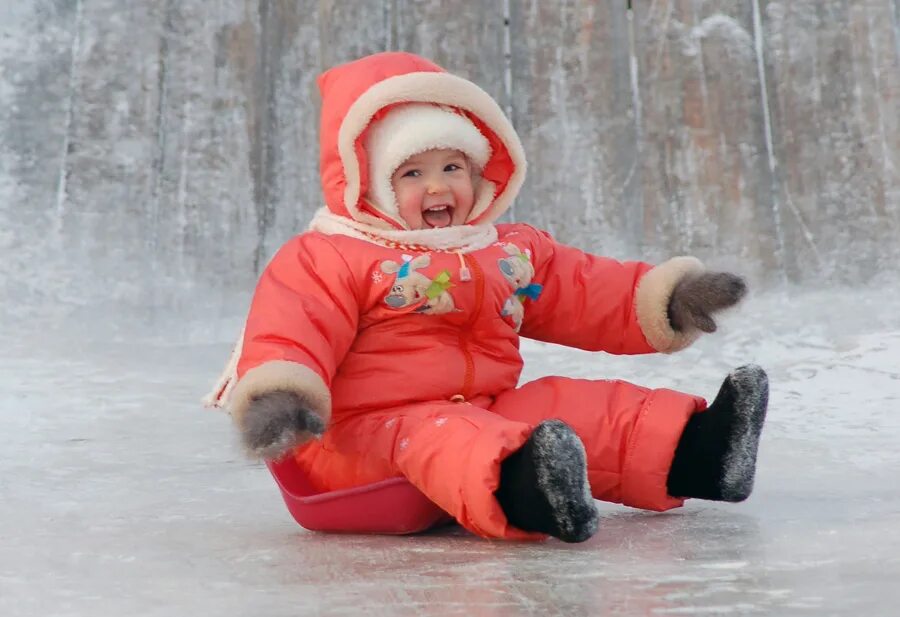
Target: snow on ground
column 120, row 496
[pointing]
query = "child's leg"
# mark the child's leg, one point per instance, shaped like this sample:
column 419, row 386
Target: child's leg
column 630, row 433
column 449, row 451
column 643, row 446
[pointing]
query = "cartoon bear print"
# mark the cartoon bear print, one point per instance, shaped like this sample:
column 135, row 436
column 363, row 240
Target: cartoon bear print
column 516, row 268
column 518, row 272
column 411, row 287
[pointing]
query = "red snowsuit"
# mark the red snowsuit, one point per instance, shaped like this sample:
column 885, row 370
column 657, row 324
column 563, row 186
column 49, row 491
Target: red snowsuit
column 413, row 355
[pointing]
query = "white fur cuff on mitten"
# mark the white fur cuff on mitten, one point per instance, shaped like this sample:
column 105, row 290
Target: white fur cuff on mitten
column 652, row 304
column 280, row 375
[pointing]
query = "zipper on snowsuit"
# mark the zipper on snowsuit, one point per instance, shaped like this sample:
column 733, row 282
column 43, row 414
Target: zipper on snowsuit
column 469, row 376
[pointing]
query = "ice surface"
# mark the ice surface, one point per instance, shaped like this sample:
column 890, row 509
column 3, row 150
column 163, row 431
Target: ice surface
column 120, row 496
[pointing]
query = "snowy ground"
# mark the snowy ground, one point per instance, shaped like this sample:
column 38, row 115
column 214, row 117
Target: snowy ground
column 120, row 496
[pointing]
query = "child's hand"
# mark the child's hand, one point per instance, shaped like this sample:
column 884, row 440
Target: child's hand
column 697, row 296
column 277, row 421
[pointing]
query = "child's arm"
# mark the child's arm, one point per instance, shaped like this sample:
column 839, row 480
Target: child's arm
column 600, row 304
column 302, row 320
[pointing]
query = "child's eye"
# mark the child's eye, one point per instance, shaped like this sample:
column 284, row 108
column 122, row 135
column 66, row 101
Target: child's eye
column 412, row 173
column 452, row 167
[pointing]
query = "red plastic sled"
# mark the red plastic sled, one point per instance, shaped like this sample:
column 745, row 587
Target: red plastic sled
column 392, row 506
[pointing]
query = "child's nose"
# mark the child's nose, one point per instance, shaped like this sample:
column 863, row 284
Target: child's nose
column 436, row 186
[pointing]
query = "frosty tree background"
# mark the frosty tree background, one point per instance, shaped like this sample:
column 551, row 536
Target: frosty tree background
column 158, row 152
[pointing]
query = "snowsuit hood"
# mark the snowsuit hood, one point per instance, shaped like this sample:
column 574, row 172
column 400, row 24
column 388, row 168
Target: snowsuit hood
column 357, row 94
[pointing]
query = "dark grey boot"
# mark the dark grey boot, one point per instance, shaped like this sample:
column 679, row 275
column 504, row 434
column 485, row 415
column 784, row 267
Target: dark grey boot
column 716, row 455
column 544, row 485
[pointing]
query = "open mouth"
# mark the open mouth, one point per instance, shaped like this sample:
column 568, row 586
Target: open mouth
column 438, row 216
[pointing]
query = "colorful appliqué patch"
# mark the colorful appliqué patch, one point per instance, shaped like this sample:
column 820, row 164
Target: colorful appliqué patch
column 518, row 271
column 411, row 287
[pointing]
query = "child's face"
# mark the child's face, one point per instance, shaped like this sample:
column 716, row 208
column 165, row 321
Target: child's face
column 434, row 189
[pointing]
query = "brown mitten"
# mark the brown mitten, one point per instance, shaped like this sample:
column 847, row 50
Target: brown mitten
column 276, row 422
column 697, row 296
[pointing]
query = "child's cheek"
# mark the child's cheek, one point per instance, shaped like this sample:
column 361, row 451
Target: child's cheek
column 409, row 203
column 465, row 195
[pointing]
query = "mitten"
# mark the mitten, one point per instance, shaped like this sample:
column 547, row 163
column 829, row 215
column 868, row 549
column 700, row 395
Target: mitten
column 698, row 295
column 276, row 422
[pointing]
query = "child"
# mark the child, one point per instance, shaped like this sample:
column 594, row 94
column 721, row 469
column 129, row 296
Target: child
column 391, row 329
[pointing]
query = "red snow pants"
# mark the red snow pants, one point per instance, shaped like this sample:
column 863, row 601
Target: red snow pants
column 451, row 451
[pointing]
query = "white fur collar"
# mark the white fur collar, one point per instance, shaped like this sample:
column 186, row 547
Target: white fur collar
column 458, row 238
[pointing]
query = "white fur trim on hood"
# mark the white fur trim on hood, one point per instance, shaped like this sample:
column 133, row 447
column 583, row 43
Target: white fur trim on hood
column 411, row 129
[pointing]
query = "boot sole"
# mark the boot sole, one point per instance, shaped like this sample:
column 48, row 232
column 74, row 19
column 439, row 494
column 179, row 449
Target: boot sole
column 750, row 389
column 561, row 466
